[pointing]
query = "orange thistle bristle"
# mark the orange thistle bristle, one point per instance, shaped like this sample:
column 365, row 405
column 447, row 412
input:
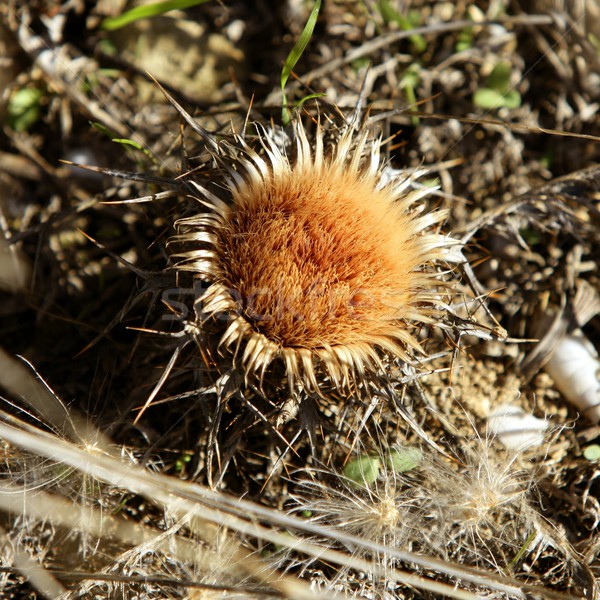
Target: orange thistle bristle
column 315, row 261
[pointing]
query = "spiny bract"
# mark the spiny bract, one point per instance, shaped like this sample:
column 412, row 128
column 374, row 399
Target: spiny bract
column 318, row 260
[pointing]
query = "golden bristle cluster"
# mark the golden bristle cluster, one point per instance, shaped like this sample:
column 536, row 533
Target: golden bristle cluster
column 315, row 260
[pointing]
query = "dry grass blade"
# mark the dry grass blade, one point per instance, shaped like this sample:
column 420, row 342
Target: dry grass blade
column 15, row 271
column 39, row 577
column 143, row 538
column 210, row 510
column 21, row 383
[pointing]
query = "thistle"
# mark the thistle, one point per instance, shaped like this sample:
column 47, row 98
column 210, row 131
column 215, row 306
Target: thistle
column 320, row 260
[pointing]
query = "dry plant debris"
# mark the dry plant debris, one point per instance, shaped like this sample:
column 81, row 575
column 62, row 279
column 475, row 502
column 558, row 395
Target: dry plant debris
column 159, row 440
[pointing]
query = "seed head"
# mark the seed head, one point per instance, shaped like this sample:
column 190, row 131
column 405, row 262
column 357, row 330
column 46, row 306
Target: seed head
column 315, row 260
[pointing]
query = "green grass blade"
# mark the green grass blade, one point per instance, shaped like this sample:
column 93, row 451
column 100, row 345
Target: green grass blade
column 102, row 128
column 294, row 56
column 307, row 98
column 135, row 145
column 144, row 12
column 530, row 538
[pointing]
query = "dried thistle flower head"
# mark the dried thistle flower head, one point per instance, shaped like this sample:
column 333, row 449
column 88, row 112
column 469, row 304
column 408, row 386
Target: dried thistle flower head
column 315, row 260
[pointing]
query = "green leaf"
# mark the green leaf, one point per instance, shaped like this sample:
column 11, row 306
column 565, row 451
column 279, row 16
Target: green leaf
column 499, row 78
column 497, row 92
column 24, row 108
column 489, row 99
column 465, row 39
column 363, row 470
column 360, row 62
column 512, row 99
column 592, row 452
column 388, row 13
column 402, row 459
column 147, row 11
column 294, row 56
column 181, row 462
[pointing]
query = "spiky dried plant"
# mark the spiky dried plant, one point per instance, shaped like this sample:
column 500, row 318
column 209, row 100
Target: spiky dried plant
column 320, row 259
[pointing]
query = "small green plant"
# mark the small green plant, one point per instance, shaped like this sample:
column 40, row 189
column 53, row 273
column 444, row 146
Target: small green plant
column 181, row 464
column 365, row 469
column 147, row 11
column 24, row 108
column 498, row 92
column 410, row 80
column 127, row 143
column 465, row 39
column 293, row 57
column 402, row 459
